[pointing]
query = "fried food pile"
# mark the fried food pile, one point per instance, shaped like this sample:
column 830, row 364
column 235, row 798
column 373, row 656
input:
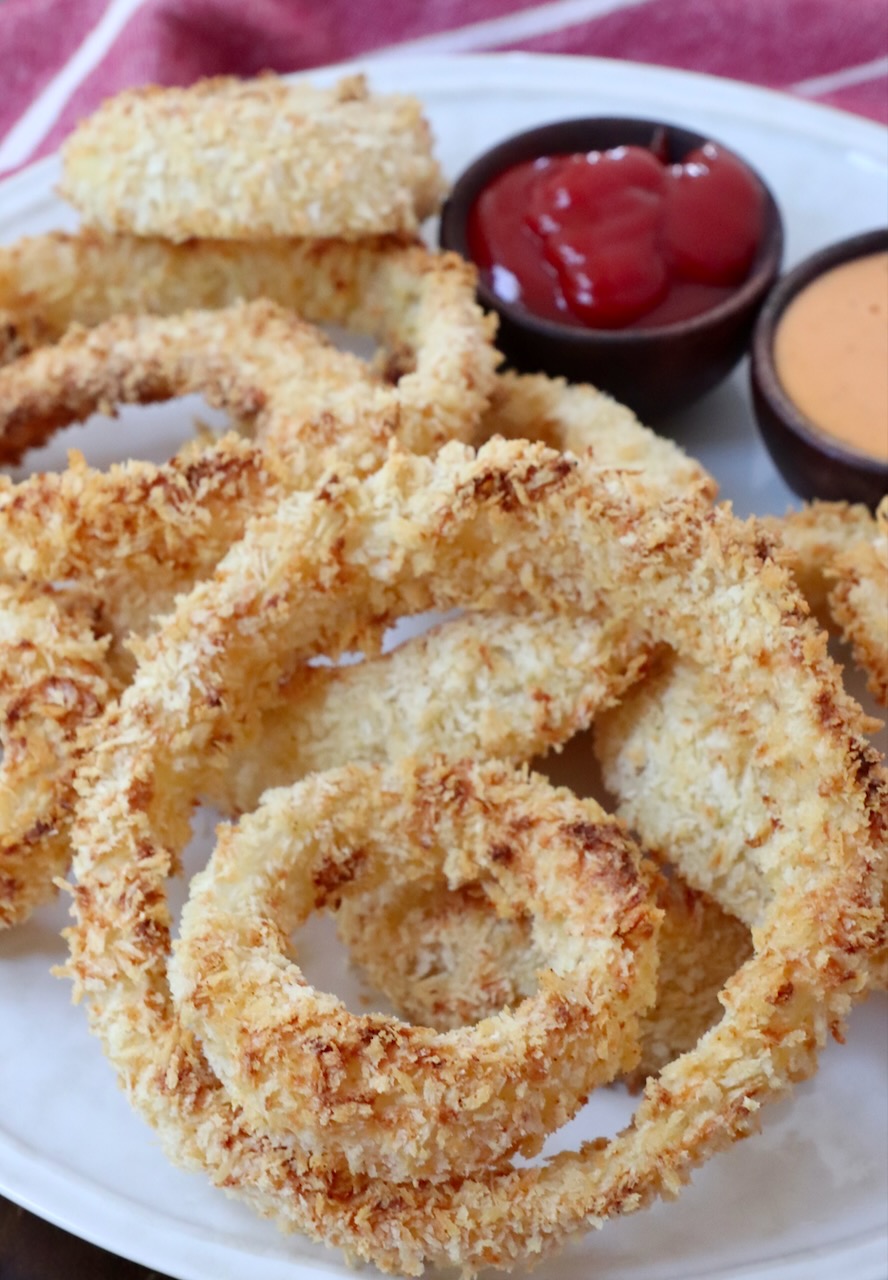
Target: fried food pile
column 171, row 634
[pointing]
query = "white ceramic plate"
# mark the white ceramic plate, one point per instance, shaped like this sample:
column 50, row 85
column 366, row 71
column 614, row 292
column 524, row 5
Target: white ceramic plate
column 808, row 1199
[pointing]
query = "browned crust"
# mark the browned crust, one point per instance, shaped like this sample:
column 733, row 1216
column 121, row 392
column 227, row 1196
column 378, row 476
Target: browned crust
column 419, row 306
column 446, row 958
column 839, row 554
column 859, row 602
column 267, row 368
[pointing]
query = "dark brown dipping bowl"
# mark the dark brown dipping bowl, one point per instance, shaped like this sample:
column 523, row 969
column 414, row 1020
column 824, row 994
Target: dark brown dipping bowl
column 657, row 370
column 813, row 464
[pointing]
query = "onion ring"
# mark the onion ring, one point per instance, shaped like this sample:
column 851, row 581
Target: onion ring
column 370, row 1093
column 813, row 536
column 437, row 344
column 859, row 603
column 252, row 159
column 54, row 681
column 269, row 369
column 839, row 555
column 692, row 786
column 579, row 419
column 487, row 685
column 482, row 685
column 424, row 697
column 445, row 958
column 471, row 531
column 137, row 534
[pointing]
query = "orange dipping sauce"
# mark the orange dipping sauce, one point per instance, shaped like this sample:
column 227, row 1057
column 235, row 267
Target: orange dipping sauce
column 831, row 353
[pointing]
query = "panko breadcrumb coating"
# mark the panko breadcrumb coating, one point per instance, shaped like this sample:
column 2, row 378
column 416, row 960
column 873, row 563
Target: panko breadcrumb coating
column 482, row 685
column 515, row 527
column 839, row 555
column 54, row 682
column 437, row 344
column 380, row 1097
column 269, row 369
column 859, row 602
column 137, row 534
column 813, row 536
column 252, row 159
column 579, row 419
column 479, row 685
column 446, row 958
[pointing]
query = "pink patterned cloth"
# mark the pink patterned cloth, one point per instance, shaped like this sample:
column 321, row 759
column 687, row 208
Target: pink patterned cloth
column 59, row 59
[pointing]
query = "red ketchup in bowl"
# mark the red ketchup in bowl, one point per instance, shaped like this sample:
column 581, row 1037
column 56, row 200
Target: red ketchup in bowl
column 618, row 239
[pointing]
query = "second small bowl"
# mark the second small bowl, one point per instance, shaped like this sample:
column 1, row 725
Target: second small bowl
column 813, row 463
column 653, row 370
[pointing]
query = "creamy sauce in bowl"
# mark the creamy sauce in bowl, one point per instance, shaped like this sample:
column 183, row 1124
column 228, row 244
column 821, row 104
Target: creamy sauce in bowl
column 831, row 353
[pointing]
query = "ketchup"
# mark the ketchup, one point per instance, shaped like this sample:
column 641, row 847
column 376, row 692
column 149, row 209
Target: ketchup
column 618, row 239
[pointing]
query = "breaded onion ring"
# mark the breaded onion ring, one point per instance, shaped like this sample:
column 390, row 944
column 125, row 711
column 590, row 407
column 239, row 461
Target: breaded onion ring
column 445, row 958
column 839, row 555
column 54, row 681
column 463, row 688
column 488, row 685
column 690, row 784
column 813, row 536
column 482, row 685
column 251, row 159
column 436, row 342
column 579, row 419
column 697, row 785
column 269, row 369
column 139, row 533
column 515, row 526
column 859, row 602
column 369, row 1093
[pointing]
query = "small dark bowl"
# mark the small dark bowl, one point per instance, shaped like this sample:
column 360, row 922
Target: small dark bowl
column 813, row 464
column 656, row 370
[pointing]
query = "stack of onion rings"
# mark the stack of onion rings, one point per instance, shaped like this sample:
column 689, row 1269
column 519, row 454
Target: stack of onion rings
column 314, row 577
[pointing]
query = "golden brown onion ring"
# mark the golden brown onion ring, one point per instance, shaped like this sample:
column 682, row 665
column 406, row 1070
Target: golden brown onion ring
column 839, row 554
column 859, row 602
column 579, row 419
column 270, row 370
column 483, row 685
column 514, row 526
column 139, row 533
column 437, row 345
column 813, row 536
column 54, row 681
column 445, row 958
column 695, row 784
column 252, row 159
column 371, row 1094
